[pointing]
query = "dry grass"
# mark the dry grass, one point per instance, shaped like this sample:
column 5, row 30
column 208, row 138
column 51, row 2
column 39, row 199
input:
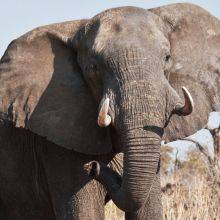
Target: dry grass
column 186, row 197
column 192, row 199
column 112, row 212
column 191, row 191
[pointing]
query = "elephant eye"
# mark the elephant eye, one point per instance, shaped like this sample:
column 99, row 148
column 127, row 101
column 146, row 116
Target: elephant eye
column 92, row 73
column 167, row 58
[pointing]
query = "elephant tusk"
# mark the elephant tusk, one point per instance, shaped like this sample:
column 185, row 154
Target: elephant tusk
column 104, row 119
column 188, row 106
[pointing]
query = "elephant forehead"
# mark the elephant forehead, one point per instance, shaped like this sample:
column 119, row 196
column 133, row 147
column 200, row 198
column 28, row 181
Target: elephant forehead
column 114, row 13
column 119, row 24
column 124, row 29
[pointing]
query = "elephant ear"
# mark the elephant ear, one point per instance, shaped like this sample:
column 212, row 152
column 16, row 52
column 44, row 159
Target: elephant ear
column 194, row 36
column 42, row 90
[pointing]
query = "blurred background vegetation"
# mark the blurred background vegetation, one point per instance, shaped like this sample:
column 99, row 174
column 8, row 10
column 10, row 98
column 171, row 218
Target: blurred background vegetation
column 190, row 188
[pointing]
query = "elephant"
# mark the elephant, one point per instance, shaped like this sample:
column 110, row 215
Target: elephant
column 90, row 90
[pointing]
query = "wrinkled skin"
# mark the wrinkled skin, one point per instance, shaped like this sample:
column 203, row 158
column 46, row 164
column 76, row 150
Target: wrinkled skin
column 42, row 181
column 56, row 80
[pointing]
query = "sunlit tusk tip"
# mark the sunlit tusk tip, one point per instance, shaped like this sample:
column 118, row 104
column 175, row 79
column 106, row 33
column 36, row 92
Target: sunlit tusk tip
column 188, row 95
column 104, row 123
column 104, row 119
column 188, row 107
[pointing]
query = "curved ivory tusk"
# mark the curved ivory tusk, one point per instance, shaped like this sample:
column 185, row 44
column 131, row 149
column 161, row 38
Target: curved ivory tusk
column 188, row 106
column 104, row 119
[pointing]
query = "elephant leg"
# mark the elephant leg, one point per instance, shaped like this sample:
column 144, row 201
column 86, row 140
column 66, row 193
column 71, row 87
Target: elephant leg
column 88, row 203
column 24, row 193
column 74, row 194
column 152, row 209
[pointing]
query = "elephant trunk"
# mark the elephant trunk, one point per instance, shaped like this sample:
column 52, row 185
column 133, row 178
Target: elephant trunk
column 141, row 158
column 137, row 104
column 140, row 104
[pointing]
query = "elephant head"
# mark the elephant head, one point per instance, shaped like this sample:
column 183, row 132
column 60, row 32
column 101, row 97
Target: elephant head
column 124, row 61
column 97, row 86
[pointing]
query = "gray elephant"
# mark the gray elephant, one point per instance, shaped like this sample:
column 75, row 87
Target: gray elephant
column 124, row 69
